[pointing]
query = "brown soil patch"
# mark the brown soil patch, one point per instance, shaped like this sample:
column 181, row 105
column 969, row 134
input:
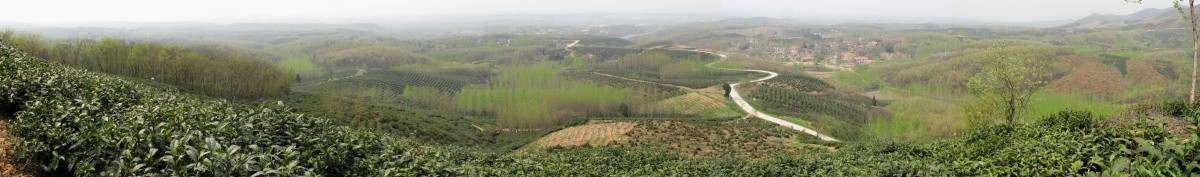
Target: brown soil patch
column 595, row 134
column 1142, row 71
column 1069, row 63
column 1092, row 77
column 1174, row 125
column 9, row 167
column 694, row 139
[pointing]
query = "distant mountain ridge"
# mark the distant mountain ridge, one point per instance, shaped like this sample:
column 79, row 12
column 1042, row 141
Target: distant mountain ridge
column 1148, row 18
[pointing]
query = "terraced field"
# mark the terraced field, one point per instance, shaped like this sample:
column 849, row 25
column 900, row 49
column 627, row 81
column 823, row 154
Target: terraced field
column 696, row 103
column 734, row 139
column 595, row 133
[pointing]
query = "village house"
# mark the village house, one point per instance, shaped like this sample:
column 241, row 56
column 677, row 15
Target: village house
column 863, row 60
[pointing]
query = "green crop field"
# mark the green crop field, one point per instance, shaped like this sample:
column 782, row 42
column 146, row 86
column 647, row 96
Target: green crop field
column 301, row 66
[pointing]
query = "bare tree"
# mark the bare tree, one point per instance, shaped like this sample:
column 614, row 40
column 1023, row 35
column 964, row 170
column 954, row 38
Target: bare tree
column 1191, row 17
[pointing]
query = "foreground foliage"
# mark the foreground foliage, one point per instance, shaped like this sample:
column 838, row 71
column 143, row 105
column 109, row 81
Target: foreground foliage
column 429, row 126
column 87, row 124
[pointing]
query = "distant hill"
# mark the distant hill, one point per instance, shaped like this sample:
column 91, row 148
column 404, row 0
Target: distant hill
column 761, row 21
column 1149, row 18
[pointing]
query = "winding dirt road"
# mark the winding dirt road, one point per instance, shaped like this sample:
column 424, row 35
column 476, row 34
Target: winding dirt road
column 737, row 98
column 733, row 94
column 572, row 44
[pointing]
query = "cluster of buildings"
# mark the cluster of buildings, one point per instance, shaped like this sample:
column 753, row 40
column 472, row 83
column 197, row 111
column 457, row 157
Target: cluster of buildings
column 828, row 52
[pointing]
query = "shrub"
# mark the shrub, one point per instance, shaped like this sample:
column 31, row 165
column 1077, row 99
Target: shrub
column 1069, row 120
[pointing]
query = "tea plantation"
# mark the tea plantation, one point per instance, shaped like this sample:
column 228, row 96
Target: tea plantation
column 75, row 122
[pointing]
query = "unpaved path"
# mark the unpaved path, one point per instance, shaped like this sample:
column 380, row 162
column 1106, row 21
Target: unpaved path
column 572, row 44
column 9, row 167
column 356, row 74
column 650, row 82
column 737, row 98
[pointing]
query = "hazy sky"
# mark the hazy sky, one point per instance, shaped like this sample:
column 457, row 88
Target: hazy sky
column 991, row 10
column 73, row 11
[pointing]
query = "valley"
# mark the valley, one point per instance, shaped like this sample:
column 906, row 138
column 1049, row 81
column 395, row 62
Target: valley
column 602, row 95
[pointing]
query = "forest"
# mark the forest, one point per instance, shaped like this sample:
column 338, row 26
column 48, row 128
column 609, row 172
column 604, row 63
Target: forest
column 201, row 71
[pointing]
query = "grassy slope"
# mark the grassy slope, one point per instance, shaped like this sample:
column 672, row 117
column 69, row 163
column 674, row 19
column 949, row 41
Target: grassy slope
column 300, row 65
column 435, row 127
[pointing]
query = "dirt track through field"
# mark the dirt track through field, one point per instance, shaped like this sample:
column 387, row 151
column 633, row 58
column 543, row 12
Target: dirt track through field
column 737, row 98
column 360, row 72
column 650, row 82
column 572, row 44
column 733, row 94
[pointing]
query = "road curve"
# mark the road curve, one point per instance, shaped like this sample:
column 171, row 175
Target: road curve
column 572, row 44
column 737, row 98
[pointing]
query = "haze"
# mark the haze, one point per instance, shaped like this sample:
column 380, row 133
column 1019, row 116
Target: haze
column 310, row 11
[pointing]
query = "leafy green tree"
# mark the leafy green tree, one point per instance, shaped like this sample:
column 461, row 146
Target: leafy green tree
column 535, row 97
column 1003, row 86
column 213, row 72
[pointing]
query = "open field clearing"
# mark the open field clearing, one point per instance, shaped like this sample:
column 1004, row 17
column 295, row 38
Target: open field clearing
column 592, row 134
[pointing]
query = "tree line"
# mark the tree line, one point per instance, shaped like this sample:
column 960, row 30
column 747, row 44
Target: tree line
column 210, row 72
column 535, row 97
